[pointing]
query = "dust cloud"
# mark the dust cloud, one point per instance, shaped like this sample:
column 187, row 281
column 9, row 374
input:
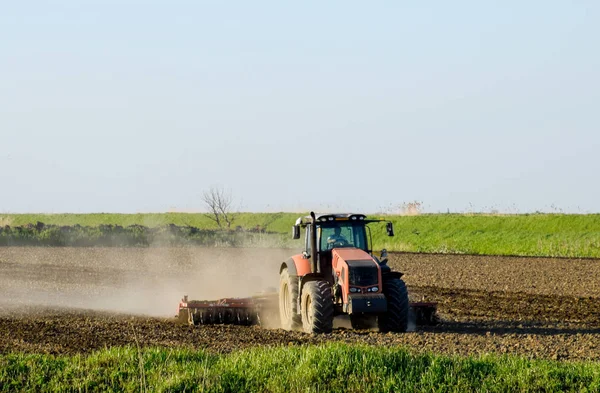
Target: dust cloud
column 149, row 281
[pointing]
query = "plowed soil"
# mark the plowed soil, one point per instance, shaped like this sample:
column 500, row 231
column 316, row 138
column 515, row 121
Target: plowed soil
column 64, row 301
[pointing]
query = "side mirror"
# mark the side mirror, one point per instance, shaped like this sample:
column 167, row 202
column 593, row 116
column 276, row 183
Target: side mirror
column 389, row 227
column 384, row 257
column 295, row 232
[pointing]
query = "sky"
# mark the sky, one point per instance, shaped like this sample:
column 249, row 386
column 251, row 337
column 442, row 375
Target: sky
column 141, row 106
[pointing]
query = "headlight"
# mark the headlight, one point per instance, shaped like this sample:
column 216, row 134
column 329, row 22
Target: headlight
column 353, row 290
column 373, row 289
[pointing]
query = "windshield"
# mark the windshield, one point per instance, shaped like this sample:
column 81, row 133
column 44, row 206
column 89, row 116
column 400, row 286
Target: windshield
column 342, row 234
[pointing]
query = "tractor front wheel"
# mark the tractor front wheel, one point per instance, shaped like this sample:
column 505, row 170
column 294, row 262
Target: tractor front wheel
column 396, row 317
column 317, row 307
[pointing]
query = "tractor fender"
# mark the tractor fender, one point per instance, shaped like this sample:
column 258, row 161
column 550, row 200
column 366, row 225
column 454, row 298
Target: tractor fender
column 296, row 265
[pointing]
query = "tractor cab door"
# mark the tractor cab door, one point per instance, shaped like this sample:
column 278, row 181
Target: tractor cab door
column 323, row 257
column 307, row 251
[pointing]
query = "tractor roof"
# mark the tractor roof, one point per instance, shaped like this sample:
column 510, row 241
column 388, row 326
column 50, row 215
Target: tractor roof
column 331, row 217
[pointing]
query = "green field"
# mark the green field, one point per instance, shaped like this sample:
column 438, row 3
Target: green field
column 329, row 368
column 555, row 235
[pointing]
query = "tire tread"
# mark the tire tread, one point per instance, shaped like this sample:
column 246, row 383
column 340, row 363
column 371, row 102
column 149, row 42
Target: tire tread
column 397, row 315
column 296, row 320
column 322, row 307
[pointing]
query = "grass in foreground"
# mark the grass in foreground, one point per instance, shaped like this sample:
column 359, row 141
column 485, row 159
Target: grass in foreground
column 329, row 368
column 553, row 235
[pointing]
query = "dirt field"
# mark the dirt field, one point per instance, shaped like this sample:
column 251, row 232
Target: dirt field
column 65, row 300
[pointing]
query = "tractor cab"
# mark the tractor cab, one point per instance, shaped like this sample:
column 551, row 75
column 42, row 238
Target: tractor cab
column 325, row 232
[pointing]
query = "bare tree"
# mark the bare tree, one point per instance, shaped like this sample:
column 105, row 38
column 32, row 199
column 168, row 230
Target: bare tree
column 219, row 204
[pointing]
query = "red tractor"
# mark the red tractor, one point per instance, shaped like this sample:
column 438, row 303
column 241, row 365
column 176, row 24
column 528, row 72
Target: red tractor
column 337, row 273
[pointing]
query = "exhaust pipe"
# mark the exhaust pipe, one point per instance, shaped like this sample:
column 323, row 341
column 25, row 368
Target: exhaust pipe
column 313, row 244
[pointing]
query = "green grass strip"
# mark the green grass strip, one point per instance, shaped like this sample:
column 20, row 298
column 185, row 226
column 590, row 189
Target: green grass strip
column 328, row 368
column 552, row 235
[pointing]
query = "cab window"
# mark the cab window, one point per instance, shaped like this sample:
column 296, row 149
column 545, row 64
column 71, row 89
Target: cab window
column 342, row 235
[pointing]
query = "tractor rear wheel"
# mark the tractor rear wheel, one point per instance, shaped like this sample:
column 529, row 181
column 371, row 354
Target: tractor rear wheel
column 396, row 317
column 288, row 301
column 317, row 307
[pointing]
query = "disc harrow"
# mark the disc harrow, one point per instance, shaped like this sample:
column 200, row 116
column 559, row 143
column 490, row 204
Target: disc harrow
column 227, row 311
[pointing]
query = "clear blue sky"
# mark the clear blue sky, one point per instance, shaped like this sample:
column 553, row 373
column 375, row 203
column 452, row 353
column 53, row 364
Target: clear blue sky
column 127, row 106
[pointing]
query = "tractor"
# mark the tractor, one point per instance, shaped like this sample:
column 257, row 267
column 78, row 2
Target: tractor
column 338, row 274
